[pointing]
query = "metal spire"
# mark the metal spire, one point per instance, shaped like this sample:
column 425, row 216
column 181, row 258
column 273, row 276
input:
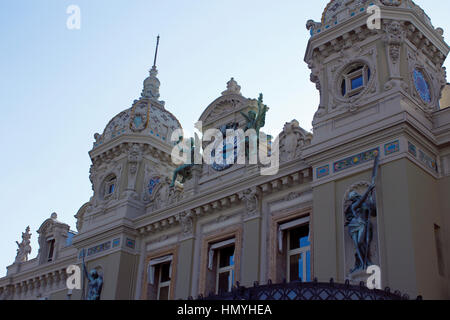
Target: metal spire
column 156, row 51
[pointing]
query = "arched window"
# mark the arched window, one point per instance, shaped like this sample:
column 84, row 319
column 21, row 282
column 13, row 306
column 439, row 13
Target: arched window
column 355, row 79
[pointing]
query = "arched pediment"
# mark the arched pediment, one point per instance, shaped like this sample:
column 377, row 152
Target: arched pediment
column 224, row 106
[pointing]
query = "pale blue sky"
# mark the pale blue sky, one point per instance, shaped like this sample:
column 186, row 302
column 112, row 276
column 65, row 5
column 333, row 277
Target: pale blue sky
column 59, row 87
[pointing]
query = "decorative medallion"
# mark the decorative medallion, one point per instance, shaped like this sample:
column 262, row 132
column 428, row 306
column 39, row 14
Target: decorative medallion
column 140, row 117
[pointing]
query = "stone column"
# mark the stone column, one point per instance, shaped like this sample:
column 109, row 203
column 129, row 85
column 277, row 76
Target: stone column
column 250, row 258
column 185, row 258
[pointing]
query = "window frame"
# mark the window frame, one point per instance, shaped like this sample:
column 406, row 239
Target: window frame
column 277, row 260
column 348, row 76
column 110, row 181
column 228, row 269
column 301, row 250
column 207, row 277
column 165, row 284
column 51, row 246
column 150, row 291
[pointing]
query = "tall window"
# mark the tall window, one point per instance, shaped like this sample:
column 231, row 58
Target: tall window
column 221, row 266
column 225, row 270
column 51, row 249
column 159, row 277
column 164, row 281
column 295, row 249
column 299, row 254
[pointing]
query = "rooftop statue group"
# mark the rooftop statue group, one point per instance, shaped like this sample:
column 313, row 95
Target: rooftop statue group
column 255, row 121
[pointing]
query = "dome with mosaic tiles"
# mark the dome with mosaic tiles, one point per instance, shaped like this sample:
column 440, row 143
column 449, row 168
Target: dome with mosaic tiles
column 338, row 11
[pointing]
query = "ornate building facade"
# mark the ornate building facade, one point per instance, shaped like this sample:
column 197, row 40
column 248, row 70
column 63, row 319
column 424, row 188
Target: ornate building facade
column 380, row 100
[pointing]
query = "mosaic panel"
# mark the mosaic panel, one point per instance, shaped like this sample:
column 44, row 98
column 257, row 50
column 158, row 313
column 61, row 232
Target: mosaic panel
column 323, row 171
column 392, row 147
column 355, row 160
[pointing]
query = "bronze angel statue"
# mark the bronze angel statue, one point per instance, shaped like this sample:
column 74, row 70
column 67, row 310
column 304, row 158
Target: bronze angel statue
column 255, row 120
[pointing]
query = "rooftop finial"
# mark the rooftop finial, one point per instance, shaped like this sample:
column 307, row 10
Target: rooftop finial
column 156, row 51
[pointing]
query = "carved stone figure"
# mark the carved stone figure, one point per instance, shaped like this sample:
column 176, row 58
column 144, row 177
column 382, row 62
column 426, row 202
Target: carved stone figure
column 24, row 247
column 251, row 200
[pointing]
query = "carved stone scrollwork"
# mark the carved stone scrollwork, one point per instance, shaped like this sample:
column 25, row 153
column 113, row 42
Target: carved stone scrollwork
column 251, row 200
column 134, row 159
column 292, row 141
column 394, row 36
column 187, row 222
column 160, row 196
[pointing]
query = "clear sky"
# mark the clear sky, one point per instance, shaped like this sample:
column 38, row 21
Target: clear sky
column 59, row 87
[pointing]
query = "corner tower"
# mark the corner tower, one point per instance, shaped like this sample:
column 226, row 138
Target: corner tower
column 378, row 66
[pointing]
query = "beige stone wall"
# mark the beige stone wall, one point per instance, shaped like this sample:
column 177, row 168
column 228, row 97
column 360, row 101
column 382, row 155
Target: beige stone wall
column 444, row 191
column 445, row 100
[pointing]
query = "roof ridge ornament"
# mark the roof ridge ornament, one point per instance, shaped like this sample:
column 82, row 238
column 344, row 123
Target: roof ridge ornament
column 232, row 88
column 152, row 83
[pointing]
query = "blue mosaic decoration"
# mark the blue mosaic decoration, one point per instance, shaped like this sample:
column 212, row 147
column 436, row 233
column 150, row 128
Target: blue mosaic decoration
column 428, row 161
column 422, row 86
column 100, row 248
column 412, row 149
column 131, row 243
column 392, row 147
column 322, row 171
column 355, row 160
column 116, row 243
column 152, row 184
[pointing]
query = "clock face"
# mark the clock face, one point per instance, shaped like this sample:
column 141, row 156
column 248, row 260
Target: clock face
column 229, row 150
column 422, row 86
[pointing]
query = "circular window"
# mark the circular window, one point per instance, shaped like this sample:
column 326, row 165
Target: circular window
column 354, row 80
column 422, row 86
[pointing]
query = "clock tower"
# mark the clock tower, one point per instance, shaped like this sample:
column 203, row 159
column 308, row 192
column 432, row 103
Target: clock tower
column 378, row 66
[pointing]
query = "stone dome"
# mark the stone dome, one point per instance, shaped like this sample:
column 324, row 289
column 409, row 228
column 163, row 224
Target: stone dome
column 147, row 117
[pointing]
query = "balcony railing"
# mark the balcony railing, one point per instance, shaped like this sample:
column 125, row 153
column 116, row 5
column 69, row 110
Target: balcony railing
column 308, row 291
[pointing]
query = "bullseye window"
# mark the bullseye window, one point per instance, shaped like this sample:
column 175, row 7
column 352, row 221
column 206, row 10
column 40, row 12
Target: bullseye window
column 354, row 80
column 422, row 86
